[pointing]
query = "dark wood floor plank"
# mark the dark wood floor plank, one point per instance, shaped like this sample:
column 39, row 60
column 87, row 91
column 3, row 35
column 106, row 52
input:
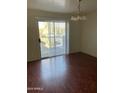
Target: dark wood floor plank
column 74, row 73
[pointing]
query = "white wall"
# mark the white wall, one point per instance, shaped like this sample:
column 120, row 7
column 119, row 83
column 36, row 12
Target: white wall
column 75, row 37
column 33, row 49
column 89, row 35
column 83, row 35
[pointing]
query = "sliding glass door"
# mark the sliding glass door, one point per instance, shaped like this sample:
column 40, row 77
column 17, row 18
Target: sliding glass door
column 53, row 38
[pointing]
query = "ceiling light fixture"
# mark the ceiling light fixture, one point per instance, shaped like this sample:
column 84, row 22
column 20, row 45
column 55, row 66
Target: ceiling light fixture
column 78, row 17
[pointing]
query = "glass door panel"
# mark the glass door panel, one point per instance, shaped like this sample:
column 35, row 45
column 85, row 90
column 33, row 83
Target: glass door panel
column 53, row 38
column 60, row 38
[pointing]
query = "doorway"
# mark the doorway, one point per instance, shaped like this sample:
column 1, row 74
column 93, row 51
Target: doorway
column 53, row 37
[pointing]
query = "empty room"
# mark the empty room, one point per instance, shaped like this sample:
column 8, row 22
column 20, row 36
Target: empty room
column 62, row 46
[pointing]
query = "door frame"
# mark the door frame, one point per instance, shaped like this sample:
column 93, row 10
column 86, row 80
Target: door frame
column 37, row 19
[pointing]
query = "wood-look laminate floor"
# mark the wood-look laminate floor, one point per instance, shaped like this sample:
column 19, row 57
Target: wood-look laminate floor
column 74, row 73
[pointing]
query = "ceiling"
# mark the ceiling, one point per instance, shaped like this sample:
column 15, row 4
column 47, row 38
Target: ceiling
column 62, row 6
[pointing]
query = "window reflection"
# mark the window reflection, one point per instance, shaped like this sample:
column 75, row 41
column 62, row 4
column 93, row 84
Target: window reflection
column 53, row 68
